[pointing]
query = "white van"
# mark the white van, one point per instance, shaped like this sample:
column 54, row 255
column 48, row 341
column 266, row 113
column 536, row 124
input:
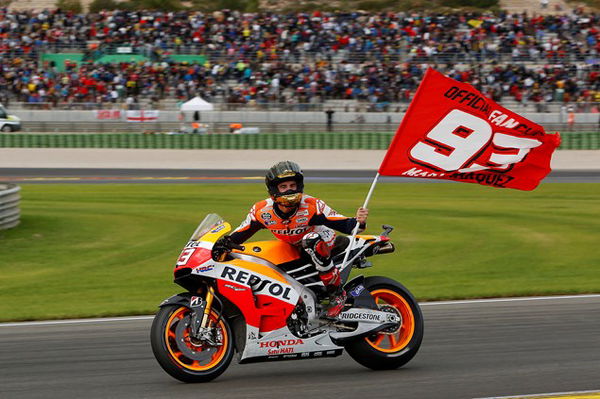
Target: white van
column 8, row 123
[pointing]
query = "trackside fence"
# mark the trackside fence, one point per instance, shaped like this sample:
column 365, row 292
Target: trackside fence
column 348, row 140
column 9, row 205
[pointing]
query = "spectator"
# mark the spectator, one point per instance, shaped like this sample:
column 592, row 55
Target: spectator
column 259, row 58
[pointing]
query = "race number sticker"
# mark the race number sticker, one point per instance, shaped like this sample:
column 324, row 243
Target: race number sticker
column 185, row 256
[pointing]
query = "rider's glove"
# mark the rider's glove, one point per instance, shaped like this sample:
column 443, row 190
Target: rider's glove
column 223, row 246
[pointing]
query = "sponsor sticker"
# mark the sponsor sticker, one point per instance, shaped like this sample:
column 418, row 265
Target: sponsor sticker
column 193, row 244
column 333, row 213
column 218, row 228
column 280, row 347
column 257, row 283
column 196, row 301
column 280, row 351
column 361, row 316
column 282, row 342
column 204, row 269
column 265, row 216
column 290, row 232
column 232, row 287
column 357, row 290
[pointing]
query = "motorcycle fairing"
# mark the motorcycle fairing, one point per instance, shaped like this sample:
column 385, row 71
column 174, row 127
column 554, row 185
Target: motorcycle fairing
column 275, row 252
column 282, row 344
column 358, row 248
column 293, row 356
column 266, row 296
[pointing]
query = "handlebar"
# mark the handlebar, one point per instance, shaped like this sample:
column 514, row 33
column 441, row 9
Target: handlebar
column 237, row 246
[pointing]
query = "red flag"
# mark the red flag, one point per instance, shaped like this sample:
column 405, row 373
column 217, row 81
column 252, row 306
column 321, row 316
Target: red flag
column 451, row 131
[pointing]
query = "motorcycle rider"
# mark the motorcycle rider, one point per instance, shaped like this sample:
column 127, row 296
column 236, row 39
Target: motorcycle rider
column 301, row 220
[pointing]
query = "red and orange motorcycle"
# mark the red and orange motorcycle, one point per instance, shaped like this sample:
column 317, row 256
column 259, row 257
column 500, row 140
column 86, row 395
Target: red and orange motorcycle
column 264, row 300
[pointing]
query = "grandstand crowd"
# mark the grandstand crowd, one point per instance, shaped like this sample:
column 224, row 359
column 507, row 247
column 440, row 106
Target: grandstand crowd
column 299, row 58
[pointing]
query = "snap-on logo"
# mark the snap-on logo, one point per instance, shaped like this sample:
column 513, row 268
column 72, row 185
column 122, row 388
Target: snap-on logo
column 257, row 283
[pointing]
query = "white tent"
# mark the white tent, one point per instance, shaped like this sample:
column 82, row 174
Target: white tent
column 197, row 104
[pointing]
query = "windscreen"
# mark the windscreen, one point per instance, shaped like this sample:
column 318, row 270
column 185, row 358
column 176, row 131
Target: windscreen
column 211, row 220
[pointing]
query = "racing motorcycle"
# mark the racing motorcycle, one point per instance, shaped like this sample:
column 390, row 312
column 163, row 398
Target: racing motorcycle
column 264, row 301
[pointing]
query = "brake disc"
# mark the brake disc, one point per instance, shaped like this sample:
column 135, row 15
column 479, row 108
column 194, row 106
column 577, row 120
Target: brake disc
column 203, row 351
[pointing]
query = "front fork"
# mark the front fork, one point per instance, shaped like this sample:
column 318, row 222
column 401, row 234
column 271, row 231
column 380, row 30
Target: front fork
column 210, row 296
column 200, row 320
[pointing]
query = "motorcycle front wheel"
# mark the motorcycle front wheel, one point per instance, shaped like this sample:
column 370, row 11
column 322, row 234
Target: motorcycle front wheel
column 392, row 347
column 183, row 357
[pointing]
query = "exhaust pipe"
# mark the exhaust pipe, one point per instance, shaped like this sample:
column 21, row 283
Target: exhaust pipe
column 386, row 248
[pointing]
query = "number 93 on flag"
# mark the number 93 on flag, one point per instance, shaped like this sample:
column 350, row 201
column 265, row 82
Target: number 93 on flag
column 452, row 131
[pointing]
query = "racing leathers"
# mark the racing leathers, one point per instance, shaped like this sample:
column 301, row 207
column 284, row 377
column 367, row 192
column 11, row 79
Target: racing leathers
column 309, row 226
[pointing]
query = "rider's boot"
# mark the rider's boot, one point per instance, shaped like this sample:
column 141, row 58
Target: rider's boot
column 337, row 296
column 320, row 254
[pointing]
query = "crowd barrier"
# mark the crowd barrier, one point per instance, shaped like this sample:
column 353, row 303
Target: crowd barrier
column 9, row 205
column 365, row 141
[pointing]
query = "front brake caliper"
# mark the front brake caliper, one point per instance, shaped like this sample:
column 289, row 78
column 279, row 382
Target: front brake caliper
column 197, row 306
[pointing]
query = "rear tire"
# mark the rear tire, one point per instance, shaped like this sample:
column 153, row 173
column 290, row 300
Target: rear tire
column 390, row 349
column 178, row 356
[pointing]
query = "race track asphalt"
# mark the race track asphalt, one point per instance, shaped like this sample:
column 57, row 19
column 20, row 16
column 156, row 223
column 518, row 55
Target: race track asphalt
column 471, row 350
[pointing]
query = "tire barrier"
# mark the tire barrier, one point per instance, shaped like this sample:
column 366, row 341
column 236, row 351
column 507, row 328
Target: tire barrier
column 9, row 205
column 354, row 140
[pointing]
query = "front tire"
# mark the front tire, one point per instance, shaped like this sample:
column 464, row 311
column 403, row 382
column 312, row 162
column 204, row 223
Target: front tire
column 179, row 356
column 390, row 348
column 7, row 128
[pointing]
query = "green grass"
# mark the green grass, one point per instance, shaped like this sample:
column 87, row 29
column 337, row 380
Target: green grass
column 100, row 250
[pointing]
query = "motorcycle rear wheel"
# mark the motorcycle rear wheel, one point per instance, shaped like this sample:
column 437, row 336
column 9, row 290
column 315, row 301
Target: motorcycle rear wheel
column 179, row 356
column 392, row 348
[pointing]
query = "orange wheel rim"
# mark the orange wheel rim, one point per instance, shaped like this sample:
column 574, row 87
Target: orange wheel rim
column 396, row 341
column 179, row 357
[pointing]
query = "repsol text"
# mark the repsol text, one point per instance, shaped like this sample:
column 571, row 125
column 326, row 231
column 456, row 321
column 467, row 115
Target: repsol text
column 257, row 283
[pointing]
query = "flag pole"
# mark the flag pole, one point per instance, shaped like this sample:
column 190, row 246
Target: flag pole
column 355, row 230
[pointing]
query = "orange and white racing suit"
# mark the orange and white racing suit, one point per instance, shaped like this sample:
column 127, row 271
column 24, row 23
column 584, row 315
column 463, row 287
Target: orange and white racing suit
column 311, row 216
